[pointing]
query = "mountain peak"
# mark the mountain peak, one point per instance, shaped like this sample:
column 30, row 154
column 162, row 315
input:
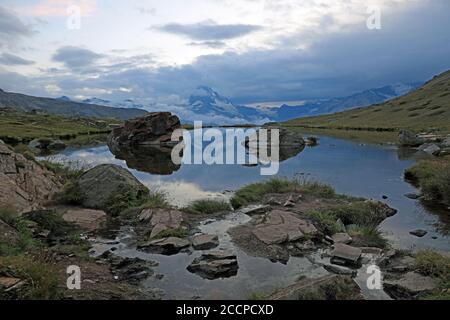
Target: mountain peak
column 64, row 98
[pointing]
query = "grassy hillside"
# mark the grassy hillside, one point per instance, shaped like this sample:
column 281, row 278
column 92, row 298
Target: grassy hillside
column 63, row 108
column 17, row 126
column 426, row 107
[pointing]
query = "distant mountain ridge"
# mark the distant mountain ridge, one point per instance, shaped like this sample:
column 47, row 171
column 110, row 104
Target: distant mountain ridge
column 426, row 107
column 361, row 99
column 65, row 107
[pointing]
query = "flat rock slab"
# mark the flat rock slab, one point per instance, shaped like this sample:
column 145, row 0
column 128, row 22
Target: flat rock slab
column 410, row 286
column 346, row 253
column 86, row 218
column 256, row 209
column 205, row 242
column 341, row 238
column 340, row 270
column 215, row 265
column 8, row 282
column 165, row 246
column 282, row 226
column 161, row 220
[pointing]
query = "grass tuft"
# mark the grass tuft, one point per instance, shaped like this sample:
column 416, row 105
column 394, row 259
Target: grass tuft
column 433, row 178
column 207, row 206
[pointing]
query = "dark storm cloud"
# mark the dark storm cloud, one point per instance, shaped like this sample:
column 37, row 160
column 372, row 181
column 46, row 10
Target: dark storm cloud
column 209, row 30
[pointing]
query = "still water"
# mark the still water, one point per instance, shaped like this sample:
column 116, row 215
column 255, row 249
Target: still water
column 370, row 171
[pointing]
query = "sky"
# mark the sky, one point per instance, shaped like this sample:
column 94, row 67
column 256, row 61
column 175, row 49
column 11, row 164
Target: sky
column 158, row 52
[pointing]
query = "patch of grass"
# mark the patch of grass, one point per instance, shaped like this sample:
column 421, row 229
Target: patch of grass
column 207, row 206
column 52, row 221
column 368, row 236
column 325, row 221
column 41, row 278
column 22, row 127
column 432, row 264
column 24, row 241
column 433, row 178
column 70, row 194
column 255, row 191
column 80, row 250
column 68, row 171
column 177, row 233
column 363, row 213
column 316, row 188
column 122, row 202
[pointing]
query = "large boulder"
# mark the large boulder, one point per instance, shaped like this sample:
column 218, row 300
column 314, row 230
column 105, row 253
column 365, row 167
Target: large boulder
column 100, row 184
column 154, row 129
column 410, row 139
column 290, row 144
column 24, row 184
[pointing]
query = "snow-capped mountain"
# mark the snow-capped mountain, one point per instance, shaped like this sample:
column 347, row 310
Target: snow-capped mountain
column 206, row 101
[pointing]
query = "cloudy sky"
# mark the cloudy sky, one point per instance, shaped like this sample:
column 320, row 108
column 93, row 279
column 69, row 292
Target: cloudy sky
column 249, row 50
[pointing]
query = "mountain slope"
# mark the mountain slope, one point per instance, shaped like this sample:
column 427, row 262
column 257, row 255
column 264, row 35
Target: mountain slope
column 423, row 108
column 64, row 107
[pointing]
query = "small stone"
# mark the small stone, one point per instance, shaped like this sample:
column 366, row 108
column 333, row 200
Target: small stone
column 413, row 196
column 385, row 197
column 419, row 233
column 341, row 238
